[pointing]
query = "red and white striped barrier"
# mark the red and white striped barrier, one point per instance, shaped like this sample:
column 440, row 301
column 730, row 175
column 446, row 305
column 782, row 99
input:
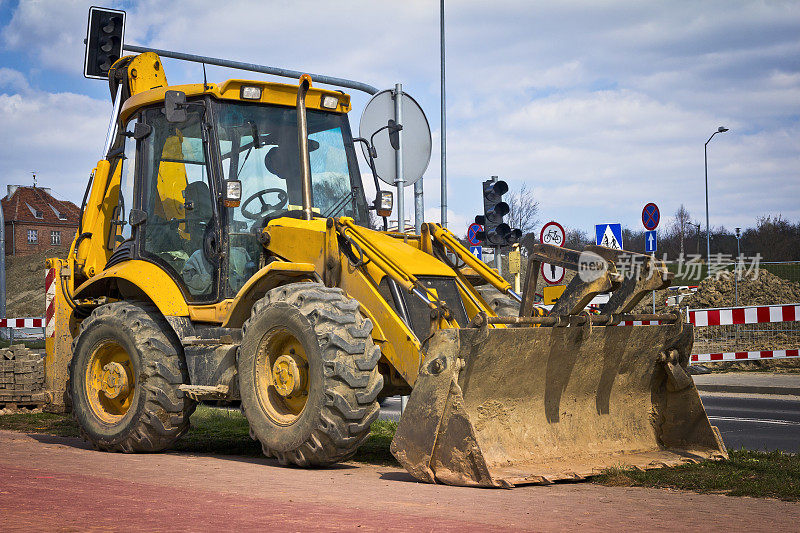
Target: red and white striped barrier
column 21, row 323
column 730, row 316
column 744, row 356
column 50, row 303
column 745, row 315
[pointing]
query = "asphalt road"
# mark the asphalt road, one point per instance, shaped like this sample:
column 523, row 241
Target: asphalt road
column 755, row 422
column 751, row 422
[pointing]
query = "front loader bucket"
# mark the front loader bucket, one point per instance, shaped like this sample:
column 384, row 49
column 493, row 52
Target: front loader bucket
column 498, row 407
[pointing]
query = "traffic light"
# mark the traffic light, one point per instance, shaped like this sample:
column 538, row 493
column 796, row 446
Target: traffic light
column 495, row 231
column 104, row 38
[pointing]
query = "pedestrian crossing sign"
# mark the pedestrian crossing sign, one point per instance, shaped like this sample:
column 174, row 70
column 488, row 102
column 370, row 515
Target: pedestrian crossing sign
column 609, row 235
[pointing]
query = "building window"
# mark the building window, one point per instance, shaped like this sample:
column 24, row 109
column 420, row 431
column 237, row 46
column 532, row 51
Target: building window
column 33, row 236
column 55, row 238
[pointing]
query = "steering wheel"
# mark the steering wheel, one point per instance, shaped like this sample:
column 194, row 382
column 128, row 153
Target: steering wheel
column 265, row 207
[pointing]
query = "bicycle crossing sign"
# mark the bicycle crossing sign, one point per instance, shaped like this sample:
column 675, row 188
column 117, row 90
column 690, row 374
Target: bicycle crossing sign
column 552, row 233
column 609, row 235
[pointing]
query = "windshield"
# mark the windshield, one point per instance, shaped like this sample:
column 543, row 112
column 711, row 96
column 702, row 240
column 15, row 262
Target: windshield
column 258, row 145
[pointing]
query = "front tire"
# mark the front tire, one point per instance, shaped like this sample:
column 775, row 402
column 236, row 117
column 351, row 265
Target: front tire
column 308, row 374
column 124, row 377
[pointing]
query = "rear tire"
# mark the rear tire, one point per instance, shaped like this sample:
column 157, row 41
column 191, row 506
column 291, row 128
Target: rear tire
column 147, row 412
column 329, row 415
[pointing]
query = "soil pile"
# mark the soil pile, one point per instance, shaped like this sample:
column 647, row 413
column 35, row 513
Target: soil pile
column 765, row 289
column 25, row 282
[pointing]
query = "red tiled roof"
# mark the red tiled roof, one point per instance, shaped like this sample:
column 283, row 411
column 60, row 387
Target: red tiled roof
column 15, row 208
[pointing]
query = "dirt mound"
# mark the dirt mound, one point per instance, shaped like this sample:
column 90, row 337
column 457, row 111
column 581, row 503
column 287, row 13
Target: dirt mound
column 25, row 282
column 765, row 289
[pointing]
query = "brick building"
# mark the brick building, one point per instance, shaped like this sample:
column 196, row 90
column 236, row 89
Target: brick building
column 36, row 221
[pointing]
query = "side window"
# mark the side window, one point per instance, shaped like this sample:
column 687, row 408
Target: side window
column 178, row 200
column 126, row 185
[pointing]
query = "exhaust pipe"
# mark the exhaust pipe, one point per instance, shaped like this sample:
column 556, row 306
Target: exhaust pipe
column 302, row 143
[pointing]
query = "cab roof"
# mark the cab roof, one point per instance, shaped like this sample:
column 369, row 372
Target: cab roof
column 271, row 93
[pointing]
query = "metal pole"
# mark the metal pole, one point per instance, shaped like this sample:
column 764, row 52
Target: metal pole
column 708, row 234
column 398, row 159
column 708, row 228
column 302, row 144
column 419, row 207
column 286, row 73
column 736, row 270
column 444, row 118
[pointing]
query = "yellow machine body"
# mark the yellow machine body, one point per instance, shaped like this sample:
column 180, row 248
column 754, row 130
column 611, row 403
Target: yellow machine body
column 493, row 402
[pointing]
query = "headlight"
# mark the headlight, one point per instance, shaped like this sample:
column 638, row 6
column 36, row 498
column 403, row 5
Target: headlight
column 248, row 92
column 329, row 102
column 384, row 203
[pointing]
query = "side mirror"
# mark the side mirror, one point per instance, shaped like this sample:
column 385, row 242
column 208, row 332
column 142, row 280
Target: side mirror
column 383, row 203
column 232, row 193
column 175, row 106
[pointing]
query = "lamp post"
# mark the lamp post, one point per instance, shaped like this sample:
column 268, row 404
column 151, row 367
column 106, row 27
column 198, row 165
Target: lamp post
column 721, row 129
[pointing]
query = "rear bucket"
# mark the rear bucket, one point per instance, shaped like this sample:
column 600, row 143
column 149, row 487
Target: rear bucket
column 509, row 406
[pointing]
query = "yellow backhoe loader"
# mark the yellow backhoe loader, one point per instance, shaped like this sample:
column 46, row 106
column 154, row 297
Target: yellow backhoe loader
column 226, row 251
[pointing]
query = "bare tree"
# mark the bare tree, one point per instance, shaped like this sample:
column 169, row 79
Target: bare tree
column 524, row 208
column 576, row 239
column 680, row 224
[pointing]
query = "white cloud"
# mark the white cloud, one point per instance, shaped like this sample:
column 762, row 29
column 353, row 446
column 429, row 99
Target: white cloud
column 601, row 107
column 13, row 80
column 60, row 136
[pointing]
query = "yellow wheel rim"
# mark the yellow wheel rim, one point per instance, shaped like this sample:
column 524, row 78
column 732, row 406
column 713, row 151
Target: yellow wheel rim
column 282, row 376
column 110, row 381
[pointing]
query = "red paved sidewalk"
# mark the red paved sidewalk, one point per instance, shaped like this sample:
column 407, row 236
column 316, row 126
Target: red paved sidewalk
column 51, row 483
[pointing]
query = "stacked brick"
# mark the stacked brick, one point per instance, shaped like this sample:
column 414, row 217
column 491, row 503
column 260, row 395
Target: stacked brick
column 21, row 376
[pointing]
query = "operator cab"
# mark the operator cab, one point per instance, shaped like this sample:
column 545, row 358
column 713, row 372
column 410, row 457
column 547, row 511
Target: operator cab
column 175, row 168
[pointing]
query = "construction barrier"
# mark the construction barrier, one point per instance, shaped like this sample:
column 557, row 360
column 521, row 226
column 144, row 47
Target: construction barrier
column 735, row 333
column 22, row 323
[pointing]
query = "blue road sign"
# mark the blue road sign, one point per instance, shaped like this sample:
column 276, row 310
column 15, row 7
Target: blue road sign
column 609, row 235
column 472, row 234
column 477, row 251
column 651, row 216
column 650, row 241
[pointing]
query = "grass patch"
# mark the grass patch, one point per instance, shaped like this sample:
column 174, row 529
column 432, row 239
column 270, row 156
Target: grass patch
column 747, row 473
column 35, row 344
column 213, row 430
column 49, row 423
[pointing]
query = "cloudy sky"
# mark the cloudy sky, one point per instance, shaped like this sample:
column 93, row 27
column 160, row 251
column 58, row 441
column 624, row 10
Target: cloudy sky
column 599, row 106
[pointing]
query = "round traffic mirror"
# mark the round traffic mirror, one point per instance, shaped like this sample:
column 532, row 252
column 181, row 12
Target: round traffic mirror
column 416, row 137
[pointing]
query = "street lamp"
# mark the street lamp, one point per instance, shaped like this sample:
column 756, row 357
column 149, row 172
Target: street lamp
column 721, row 129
